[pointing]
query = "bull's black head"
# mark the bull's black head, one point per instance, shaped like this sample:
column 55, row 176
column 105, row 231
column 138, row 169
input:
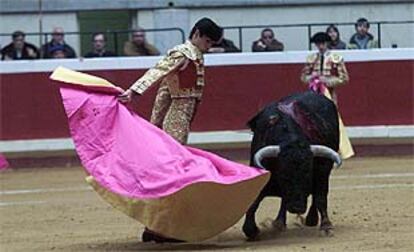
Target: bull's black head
column 294, row 174
column 281, row 144
column 292, row 168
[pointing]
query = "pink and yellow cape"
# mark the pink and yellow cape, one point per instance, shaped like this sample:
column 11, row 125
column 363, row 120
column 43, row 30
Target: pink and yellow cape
column 345, row 147
column 3, row 162
column 177, row 191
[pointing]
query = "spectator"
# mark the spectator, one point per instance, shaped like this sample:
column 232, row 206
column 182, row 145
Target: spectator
column 18, row 49
column 57, row 52
column 138, row 46
column 336, row 42
column 267, row 42
column 224, row 46
column 99, row 50
column 362, row 39
column 58, row 36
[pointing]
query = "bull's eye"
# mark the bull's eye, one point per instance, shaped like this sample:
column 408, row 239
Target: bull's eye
column 273, row 119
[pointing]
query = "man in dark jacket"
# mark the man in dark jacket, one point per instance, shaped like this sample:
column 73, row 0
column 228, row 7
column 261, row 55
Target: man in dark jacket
column 362, row 39
column 19, row 49
column 139, row 46
column 224, row 46
column 267, row 42
column 99, row 47
column 57, row 40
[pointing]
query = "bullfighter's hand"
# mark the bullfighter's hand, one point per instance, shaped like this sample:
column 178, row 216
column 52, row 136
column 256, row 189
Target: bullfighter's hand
column 120, row 90
column 314, row 74
column 126, row 96
column 324, row 79
column 261, row 44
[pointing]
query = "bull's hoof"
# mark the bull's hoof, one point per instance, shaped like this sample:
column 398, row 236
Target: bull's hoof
column 327, row 229
column 327, row 232
column 279, row 225
column 252, row 232
column 312, row 218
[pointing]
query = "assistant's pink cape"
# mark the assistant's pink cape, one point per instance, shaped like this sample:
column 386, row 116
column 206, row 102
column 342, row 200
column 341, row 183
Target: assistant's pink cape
column 3, row 162
column 177, row 191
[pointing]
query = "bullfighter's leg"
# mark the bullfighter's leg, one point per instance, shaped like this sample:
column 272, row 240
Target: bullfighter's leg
column 178, row 118
column 161, row 105
column 174, row 116
column 280, row 222
column 250, row 228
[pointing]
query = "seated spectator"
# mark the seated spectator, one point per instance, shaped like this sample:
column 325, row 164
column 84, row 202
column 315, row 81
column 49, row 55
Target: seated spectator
column 362, row 39
column 57, row 39
column 224, row 46
column 57, row 52
column 99, row 50
column 18, row 49
column 336, row 43
column 267, row 42
column 138, row 46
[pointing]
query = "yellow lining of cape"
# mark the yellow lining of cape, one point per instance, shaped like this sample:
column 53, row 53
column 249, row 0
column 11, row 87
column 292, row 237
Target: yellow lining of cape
column 74, row 77
column 345, row 146
column 195, row 213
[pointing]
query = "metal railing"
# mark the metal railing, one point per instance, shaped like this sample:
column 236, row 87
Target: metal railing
column 309, row 27
column 118, row 36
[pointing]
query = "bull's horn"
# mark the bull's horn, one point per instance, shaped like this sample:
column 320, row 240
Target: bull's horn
column 323, row 151
column 266, row 152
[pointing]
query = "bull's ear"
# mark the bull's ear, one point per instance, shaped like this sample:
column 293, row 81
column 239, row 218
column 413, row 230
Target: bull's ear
column 252, row 123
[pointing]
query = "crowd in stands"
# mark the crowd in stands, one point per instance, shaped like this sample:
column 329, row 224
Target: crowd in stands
column 138, row 45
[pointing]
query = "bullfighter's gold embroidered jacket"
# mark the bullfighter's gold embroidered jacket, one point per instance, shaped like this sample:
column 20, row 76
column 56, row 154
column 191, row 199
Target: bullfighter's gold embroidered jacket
column 184, row 79
column 333, row 69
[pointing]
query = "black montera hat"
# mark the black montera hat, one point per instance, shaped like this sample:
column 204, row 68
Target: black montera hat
column 320, row 37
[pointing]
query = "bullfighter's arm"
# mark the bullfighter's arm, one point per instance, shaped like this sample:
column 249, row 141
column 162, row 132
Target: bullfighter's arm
column 168, row 64
column 306, row 75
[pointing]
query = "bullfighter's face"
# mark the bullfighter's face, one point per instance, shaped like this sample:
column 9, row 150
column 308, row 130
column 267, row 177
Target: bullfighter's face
column 202, row 42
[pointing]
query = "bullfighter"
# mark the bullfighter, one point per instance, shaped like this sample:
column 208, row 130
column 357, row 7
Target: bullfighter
column 323, row 72
column 181, row 77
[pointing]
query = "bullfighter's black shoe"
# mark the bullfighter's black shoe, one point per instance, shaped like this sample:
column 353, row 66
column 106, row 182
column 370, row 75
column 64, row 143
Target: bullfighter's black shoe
column 149, row 236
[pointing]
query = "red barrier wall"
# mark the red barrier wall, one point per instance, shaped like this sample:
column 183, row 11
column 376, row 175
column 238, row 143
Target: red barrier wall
column 379, row 93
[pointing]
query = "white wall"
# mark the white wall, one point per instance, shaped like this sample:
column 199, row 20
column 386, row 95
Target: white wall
column 296, row 38
column 30, row 23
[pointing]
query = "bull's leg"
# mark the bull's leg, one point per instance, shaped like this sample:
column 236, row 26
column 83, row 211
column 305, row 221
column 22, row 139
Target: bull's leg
column 312, row 217
column 320, row 193
column 280, row 222
column 322, row 205
column 250, row 228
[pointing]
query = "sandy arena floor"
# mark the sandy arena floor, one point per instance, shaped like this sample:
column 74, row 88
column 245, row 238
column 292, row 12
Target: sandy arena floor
column 371, row 206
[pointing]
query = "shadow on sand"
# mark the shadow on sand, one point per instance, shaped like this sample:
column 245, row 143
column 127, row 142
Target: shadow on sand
column 229, row 240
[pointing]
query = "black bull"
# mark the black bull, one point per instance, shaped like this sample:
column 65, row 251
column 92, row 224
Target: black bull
column 297, row 140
